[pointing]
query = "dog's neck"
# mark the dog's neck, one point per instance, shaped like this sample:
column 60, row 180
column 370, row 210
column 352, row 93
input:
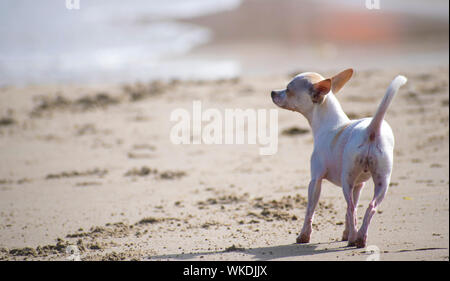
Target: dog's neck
column 327, row 115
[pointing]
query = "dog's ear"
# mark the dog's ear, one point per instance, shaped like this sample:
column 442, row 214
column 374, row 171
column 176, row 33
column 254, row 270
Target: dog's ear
column 319, row 90
column 338, row 81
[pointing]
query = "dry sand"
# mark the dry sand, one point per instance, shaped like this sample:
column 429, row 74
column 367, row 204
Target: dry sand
column 93, row 166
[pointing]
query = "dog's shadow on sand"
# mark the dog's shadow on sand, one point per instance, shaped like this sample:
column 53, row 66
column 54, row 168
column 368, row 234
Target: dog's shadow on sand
column 265, row 253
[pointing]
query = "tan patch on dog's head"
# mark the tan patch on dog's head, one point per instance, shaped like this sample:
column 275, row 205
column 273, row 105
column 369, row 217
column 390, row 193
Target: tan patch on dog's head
column 313, row 77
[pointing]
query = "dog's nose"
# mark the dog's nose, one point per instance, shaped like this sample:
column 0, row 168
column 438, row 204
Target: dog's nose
column 272, row 94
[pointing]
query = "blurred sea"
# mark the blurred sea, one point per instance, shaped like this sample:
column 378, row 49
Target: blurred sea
column 123, row 41
column 105, row 40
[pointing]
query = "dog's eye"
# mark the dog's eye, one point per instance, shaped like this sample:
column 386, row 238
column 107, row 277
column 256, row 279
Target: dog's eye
column 289, row 93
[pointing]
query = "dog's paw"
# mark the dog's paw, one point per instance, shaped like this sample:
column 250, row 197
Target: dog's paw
column 360, row 243
column 352, row 239
column 303, row 238
column 345, row 236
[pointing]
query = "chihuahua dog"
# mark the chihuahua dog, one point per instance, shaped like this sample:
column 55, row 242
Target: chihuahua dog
column 346, row 152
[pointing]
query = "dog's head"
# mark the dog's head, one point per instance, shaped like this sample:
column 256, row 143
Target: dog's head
column 308, row 89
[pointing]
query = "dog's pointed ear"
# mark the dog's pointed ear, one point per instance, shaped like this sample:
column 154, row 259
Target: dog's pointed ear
column 319, row 90
column 338, row 81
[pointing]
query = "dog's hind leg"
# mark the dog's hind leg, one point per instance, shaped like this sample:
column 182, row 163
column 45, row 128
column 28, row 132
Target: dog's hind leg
column 381, row 178
column 356, row 192
column 347, row 187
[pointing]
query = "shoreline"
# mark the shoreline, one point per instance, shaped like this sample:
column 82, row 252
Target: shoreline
column 262, row 37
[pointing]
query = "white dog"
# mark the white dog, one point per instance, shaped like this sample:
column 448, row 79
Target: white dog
column 346, row 152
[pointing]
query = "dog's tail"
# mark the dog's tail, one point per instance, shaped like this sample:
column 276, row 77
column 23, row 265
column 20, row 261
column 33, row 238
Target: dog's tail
column 375, row 124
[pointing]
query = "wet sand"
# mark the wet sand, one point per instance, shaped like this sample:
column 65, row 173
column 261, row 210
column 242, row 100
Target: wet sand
column 266, row 37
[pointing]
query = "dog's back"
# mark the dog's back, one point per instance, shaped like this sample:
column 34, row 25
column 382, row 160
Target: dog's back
column 351, row 143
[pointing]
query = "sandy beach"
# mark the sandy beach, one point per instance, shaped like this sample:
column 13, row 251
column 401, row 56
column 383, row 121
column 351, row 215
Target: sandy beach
column 88, row 170
column 99, row 171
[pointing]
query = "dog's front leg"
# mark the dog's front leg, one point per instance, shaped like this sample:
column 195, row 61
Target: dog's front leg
column 313, row 197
